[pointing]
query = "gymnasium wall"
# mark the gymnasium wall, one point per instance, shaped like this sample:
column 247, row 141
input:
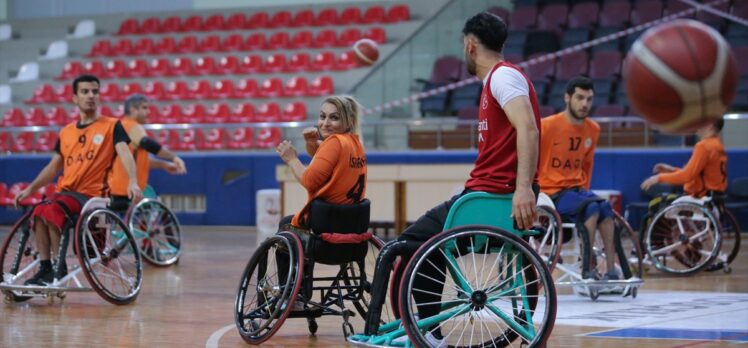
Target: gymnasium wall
column 229, row 181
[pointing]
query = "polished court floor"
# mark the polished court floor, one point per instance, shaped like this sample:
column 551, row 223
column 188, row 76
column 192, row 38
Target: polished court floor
column 191, row 305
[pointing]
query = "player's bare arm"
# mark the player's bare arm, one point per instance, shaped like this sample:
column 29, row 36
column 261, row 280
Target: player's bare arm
column 48, row 173
column 520, row 115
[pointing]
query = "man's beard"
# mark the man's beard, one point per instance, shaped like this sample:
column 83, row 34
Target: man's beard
column 575, row 115
column 470, row 66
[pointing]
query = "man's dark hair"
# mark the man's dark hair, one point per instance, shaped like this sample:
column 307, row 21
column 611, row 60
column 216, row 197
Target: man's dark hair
column 719, row 124
column 489, row 28
column 84, row 78
column 581, row 82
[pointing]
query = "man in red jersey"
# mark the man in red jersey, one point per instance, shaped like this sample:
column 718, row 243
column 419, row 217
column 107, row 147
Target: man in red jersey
column 508, row 146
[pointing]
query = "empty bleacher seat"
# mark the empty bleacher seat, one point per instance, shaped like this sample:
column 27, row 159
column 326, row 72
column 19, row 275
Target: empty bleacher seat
column 398, row 13
column 267, row 138
column 218, row 113
column 295, row 111
column 646, row 11
column 615, row 13
column 240, row 139
column 322, row 85
column 523, row 18
column 605, row 65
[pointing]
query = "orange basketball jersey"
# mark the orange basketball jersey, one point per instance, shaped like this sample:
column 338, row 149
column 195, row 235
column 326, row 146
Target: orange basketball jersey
column 705, row 171
column 566, row 153
column 336, row 175
column 118, row 181
column 88, row 155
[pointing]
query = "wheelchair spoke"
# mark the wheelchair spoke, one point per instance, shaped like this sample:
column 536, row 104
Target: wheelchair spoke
column 460, row 280
column 494, row 266
column 458, row 290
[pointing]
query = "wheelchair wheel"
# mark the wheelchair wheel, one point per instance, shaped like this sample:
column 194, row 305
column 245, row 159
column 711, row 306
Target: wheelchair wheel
column 730, row 233
column 264, row 298
column 19, row 261
column 682, row 239
column 628, row 248
column 157, row 232
column 109, row 256
column 548, row 243
column 495, row 289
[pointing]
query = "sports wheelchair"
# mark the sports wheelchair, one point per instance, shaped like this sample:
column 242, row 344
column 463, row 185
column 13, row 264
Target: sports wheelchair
column 495, row 287
column 577, row 256
column 106, row 251
column 691, row 234
column 156, row 230
column 279, row 281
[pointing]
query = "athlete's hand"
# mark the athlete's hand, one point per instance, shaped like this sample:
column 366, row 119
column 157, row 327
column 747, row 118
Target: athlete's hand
column 286, row 151
column 524, row 208
column 311, row 134
column 25, row 193
column 134, row 192
column 180, row 167
column 650, row 182
column 660, row 168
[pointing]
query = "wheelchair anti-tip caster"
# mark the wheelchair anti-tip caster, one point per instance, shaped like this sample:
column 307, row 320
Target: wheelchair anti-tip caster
column 312, row 324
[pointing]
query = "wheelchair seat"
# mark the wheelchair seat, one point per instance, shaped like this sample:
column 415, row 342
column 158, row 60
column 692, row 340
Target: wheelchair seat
column 341, row 232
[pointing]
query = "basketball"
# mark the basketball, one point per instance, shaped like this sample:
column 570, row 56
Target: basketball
column 367, row 51
column 680, row 76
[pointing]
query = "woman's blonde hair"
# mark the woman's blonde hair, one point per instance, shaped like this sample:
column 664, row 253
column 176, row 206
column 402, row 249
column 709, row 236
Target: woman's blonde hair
column 349, row 110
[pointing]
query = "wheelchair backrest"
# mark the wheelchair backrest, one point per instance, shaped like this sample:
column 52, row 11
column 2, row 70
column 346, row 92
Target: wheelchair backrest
column 545, row 200
column 95, row 203
column 342, row 219
column 482, row 208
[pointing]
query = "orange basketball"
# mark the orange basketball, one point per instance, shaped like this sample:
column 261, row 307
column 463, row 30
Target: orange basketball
column 680, row 75
column 366, row 51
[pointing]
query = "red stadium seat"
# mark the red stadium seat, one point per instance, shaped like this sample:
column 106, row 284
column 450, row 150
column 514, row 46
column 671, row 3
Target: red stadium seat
column 130, row 89
column 129, row 26
column 143, row 46
column 193, row 113
column 584, row 15
column 105, row 110
column 229, row 65
column 247, row 88
column 160, row 67
column 152, row 25
column 252, row 64
column 36, row 117
column 267, row 138
column 213, row 139
column 236, row 21
column 242, row 113
column 571, row 65
column 178, row 90
column 255, row 41
column 258, row 20
column 275, row 63
column 214, row 22
column 45, row 93
column 205, row 66
column 46, row 141
column 303, row 18
column 63, row 94
column 14, row 118
column 188, row 44
column 280, row 19
column 154, row 114
column 553, row 17
column 302, row 39
column 324, row 61
column 615, row 13
column 377, row 34
column 201, row 89
column 322, row 85
column 240, row 139
column 374, row 14
column 233, row 42
column 110, row 92
column 278, row 40
column 167, row 45
column 327, row 16
column 346, row 60
column 192, row 23
column 523, row 18
column 183, row 66
column 23, row 142
column 609, row 110
column 155, row 90
column 100, row 48
column 168, row 138
column 224, row 89
column 136, row 68
column 189, row 139
column 118, row 69
column 172, row 113
column 210, row 43
column 646, row 11
column 299, row 62
column 122, row 47
column 95, row 68
column 295, row 111
column 605, row 65
column 349, row 15
column 398, row 13
column 218, row 113
column 295, row 87
column 71, row 70
column 325, row 38
column 542, row 71
column 57, row 116
column 268, row 112
column 348, row 37
column 271, row 88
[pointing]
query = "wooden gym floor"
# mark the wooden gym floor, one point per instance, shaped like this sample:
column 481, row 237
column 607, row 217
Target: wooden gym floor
column 191, row 305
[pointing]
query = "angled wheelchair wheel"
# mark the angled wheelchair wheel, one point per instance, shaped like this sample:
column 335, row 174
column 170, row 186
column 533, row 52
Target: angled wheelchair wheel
column 156, row 231
column 20, row 258
column 268, row 289
column 548, row 243
column 682, row 239
column 109, row 256
column 477, row 286
column 730, row 235
column 628, row 248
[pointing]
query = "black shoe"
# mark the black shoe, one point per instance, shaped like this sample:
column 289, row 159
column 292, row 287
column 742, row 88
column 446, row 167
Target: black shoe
column 592, row 275
column 62, row 270
column 43, row 277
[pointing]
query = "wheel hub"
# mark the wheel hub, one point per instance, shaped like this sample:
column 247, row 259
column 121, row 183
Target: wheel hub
column 683, row 238
column 478, row 300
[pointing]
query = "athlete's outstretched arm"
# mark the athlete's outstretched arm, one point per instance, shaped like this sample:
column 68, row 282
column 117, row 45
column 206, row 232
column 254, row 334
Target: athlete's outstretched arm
column 138, row 136
column 48, row 173
column 520, row 115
